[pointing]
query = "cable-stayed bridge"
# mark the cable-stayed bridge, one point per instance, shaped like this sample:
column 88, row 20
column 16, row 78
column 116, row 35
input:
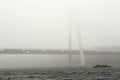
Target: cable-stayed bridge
column 80, row 52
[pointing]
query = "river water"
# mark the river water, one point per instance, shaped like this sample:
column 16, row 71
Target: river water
column 45, row 60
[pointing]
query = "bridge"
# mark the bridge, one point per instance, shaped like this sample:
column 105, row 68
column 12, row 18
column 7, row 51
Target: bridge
column 61, row 52
column 80, row 52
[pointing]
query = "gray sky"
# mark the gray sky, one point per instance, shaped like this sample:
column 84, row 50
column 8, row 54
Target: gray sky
column 43, row 24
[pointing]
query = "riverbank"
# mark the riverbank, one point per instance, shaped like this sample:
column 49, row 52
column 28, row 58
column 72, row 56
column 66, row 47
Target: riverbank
column 73, row 73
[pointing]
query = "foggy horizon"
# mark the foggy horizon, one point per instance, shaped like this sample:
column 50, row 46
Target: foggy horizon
column 44, row 24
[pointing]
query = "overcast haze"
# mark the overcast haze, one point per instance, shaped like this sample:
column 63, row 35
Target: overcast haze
column 43, row 24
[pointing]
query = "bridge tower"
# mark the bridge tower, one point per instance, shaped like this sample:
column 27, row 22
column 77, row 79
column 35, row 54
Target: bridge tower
column 80, row 45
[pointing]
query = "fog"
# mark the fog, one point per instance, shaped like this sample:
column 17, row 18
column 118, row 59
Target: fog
column 44, row 24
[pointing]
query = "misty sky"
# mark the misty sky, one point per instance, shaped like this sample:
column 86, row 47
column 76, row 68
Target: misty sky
column 43, row 24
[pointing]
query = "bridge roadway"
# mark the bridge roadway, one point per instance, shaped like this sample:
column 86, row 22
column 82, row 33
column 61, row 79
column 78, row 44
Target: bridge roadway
column 40, row 51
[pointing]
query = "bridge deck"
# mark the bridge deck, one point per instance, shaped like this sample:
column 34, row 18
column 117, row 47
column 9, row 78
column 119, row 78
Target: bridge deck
column 40, row 51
